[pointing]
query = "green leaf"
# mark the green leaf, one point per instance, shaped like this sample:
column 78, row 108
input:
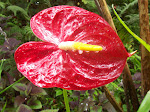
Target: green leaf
column 27, row 31
column 16, row 9
column 127, row 7
column 20, row 87
column 34, row 104
column 85, row 1
column 124, row 106
column 2, row 5
column 89, row 3
column 24, row 108
column 1, row 15
column 37, row 90
column 19, row 100
column 147, row 46
column 96, row 108
column 59, row 92
column 28, row 89
column 145, row 105
column 117, row 87
column 50, row 110
column 100, row 109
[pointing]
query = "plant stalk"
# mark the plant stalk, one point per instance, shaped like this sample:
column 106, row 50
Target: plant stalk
column 66, row 100
column 130, row 85
column 112, row 99
column 145, row 54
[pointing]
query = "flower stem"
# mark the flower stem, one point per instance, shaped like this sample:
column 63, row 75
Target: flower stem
column 66, row 100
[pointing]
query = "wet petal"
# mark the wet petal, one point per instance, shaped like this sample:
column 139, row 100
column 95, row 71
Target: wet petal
column 76, row 70
column 38, row 61
column 48, row 24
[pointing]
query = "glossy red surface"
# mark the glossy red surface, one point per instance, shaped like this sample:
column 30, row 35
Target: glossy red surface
column 45, row 65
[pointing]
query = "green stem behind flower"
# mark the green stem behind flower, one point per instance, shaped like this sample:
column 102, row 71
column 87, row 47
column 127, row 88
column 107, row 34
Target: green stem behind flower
column 66, row 100
column 147, row 46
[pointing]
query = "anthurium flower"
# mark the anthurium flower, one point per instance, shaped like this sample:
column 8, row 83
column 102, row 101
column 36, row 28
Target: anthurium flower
column 78, row 51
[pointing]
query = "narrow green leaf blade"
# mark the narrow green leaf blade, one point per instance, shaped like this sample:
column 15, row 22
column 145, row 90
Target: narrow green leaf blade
column 2, row 5
column 147, row 46
column 11, row 85
column 4, row 107
column 1, row 67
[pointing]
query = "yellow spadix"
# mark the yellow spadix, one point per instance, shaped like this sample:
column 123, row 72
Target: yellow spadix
column 71, row 45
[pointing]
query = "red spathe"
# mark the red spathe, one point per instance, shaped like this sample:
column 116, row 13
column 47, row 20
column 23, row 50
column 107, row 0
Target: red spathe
column 45, row 65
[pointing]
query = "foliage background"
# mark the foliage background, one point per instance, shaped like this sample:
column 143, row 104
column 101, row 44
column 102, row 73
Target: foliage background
column 15, row 29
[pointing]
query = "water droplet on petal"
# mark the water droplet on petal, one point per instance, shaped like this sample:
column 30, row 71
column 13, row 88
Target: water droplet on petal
column 96, row 51
column 80, row 51
column 74, row 50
